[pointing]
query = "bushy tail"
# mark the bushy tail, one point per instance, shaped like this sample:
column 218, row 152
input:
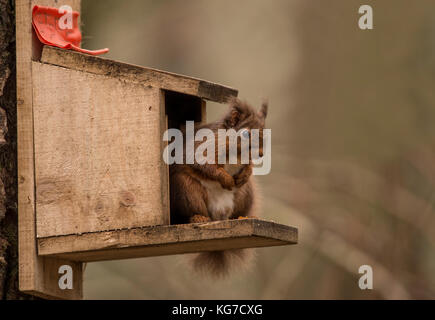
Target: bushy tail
column 218, row 264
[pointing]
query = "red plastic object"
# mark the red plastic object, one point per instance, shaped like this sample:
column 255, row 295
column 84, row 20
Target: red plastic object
column 45, row 21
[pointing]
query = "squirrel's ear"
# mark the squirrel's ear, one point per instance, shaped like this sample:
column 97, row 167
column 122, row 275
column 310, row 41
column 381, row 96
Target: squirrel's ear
column 232, row 118
column 263, row 110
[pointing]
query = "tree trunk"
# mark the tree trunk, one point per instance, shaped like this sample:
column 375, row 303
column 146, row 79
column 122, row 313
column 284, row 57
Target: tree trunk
column 8, row 156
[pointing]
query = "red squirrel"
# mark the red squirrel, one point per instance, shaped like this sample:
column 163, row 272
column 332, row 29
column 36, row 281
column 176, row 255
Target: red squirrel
column 211, row 192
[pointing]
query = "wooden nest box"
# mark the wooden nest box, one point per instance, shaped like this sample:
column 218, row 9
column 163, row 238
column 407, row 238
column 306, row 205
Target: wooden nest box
column 93, row 185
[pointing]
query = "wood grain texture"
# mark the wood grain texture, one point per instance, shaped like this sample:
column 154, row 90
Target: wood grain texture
column 98, row 153
column 168, row 240
column 156, row 78
column 164, row 168
column 37, row 275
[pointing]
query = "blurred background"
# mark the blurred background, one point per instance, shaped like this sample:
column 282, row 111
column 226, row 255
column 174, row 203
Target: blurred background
column 353, row 149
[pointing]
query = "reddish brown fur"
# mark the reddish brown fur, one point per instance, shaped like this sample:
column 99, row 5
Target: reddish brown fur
column 190, row 199
column 188, row 196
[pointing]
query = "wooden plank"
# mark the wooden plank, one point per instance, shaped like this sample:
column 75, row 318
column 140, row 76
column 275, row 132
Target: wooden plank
column 165, row 191
column 98, row 153
column 37, row 275
column 168, row 240
column 48, row 280
column 156, row 78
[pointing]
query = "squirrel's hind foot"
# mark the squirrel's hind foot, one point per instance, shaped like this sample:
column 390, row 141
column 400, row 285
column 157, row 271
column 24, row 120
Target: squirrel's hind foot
column 199, row 219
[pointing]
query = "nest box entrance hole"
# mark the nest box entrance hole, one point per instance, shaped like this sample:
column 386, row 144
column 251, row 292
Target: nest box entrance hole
column 180, row 108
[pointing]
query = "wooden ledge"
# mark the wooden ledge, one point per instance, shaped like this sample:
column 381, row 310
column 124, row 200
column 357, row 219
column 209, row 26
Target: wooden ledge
column 153, row 77
column 168, row 240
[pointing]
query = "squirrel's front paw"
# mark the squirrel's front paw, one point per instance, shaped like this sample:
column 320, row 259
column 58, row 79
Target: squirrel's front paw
column 243, row 177
column 241, row 180
column 227, row 181
column 199, row 219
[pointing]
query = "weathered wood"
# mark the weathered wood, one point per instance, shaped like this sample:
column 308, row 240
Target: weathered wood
column 98, row 153
column 37, row 275
column 168, row 240
column 47, row 276
column 164, row 168
column 146, row 76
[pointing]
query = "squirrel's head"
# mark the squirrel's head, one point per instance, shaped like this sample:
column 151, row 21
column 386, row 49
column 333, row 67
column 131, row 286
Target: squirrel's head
column 241, row 115
column 243, row 118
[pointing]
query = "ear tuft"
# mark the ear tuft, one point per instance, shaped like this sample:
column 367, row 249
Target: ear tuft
column 264, row 109
column 232, row 118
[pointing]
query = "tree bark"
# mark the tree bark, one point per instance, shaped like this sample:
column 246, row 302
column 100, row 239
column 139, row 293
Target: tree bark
column 8, row 156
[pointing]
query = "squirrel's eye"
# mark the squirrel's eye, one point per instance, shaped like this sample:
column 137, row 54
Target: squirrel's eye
column 245, row 134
